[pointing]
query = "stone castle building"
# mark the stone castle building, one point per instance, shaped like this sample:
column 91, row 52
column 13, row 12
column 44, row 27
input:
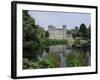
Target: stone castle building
column 59, row 33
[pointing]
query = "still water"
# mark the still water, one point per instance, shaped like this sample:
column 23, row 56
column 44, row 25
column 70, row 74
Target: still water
column 62, row 56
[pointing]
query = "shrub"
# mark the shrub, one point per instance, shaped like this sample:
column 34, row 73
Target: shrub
column 29, row 64
column 77, row 41
column 74, row 59
column 50, row 61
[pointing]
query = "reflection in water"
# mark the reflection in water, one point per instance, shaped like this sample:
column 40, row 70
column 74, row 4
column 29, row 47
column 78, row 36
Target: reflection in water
column 62, row 60
column 60, row 56
column 60, row 50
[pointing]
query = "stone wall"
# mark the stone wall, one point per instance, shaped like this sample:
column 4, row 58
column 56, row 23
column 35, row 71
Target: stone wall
column 58, row 33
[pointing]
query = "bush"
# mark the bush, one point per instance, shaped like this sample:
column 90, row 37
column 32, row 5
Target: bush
column 29, row 64
column 50, row 61
column 77, row 41
column 45, row 63
column 74, row 63
column 74, row 59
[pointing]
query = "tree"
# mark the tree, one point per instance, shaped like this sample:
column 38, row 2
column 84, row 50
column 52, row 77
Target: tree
column 28, row 26
column 33, row 35
column 68, row 32
column 46, row 34
column 76, row 28
column 75, row 32
column 82, row 31
column 28, row 30
column 89, row 31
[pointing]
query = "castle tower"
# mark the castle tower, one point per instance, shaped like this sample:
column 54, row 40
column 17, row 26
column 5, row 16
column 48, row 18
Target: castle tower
column 51, row 30
column 64, row 26
column 64, row 32
column 51, row 27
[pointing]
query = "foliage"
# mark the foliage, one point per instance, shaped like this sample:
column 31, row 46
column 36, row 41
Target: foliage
column 28, row 64
column 77, row 41
column 68, row 32
column 75, row 58
column 89, row 32
column 33, row 35
column 83, row 30
column 50, row 61
column 46, row 63
column 56, row 41
column 46, row 34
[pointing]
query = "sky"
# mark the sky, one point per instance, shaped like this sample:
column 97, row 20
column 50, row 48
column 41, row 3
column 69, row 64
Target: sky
column 71, row 20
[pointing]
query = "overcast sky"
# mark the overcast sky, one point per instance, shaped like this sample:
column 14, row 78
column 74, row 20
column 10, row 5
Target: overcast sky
column 58, row 19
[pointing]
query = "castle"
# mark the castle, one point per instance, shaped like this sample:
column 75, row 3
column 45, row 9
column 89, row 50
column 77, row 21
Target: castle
column 59, row 33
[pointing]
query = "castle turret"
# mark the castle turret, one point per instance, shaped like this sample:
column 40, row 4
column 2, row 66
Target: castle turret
column 64, row 26
column 64, row 32
column 50, row 27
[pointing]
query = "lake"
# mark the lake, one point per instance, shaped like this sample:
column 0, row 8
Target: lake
column 60, row 56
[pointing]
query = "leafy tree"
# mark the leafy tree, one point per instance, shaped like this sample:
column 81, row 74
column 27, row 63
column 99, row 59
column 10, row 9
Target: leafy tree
column 76, row 28
column 75, row 32
column 33, row 35
column 46, row 34
column 89, row 31
column 68, row 32
column 82, row 31
column 28, row 30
